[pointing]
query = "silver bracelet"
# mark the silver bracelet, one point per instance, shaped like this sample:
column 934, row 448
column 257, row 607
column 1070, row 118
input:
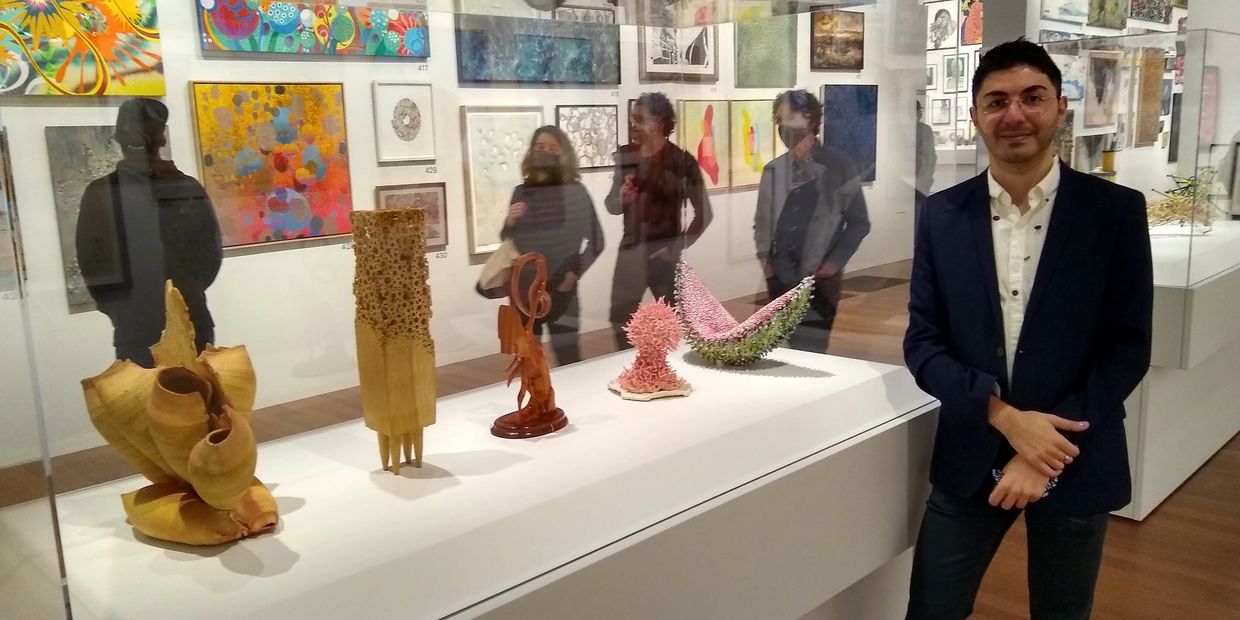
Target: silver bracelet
column 997, row 474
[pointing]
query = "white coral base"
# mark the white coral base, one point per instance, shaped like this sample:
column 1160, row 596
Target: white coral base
column 683, row 390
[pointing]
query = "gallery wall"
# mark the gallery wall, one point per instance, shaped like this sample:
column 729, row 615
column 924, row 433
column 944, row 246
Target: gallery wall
column 292, row 305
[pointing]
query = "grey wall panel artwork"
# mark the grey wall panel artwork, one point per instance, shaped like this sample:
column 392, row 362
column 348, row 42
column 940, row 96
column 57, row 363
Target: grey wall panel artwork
column 593, row 132
column 496, row 139
column 766, row 52
column 536, row 51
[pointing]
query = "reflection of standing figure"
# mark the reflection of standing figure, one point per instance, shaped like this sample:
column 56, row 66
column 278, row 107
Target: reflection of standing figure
column 141, row 225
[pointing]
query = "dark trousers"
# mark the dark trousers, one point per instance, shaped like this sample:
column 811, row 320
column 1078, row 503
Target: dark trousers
column 636, row 272
column 959, row 537
column 814, row 332
column 564, row 323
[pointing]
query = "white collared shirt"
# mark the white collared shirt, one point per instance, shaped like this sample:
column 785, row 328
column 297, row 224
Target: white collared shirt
column 1018, row 241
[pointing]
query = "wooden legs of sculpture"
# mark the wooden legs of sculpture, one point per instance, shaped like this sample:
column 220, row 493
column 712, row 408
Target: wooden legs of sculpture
column 395, row 354
column 536, row 412
column 185, row 425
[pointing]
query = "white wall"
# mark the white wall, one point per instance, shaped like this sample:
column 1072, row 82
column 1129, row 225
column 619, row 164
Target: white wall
column 292, row 305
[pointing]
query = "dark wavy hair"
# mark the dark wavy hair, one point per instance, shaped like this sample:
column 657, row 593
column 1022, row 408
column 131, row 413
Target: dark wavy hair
column 803, row 101
column 658, row 106
column 1018, row 53
column 568, row 158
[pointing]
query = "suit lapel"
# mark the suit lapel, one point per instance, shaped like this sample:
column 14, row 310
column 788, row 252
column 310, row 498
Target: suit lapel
column 1063, row 221
column 983, row 241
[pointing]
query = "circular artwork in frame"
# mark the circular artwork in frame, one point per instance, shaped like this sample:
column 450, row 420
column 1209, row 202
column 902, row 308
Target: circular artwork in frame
column 404, row 122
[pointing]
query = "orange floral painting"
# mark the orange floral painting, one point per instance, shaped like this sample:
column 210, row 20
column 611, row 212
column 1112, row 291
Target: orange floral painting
column 274, row 159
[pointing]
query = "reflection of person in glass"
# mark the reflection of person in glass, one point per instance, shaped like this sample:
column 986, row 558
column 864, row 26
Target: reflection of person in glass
column 810, row 218
column 926, row 160
column 141, row 225
column 551, row 213
column 653, row 179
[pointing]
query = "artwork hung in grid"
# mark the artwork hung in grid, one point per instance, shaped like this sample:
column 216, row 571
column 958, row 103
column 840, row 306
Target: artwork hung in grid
column 752, row 140
column 942, row 31
column 313, row 28
column 837, row 40
column 80, row 155
column 766, row 52
column 87, row 47
column 940, row 111
column 1075, row 11
column 704, row 133
column 956, row 73
column 404, row 122
column 11, row 266
column 1108, row 14
column 587, row 14
column 971, row 22
column 1101, row 86
column 274, row 159
column 1065, row 137
column 1150, row 10
column 593, row 131
column 1072, row 67
column 850, row 124
column 495, row 140
column 429, row 198
column 932, row 77
column 1148, row 121
column 498, row 49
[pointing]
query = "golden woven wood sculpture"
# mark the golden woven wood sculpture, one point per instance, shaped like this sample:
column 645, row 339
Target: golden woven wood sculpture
column 395, row 354
column 185, row 425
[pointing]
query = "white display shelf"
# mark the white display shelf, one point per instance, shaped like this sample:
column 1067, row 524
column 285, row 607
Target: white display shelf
column 484, row 515
column 1182, row 259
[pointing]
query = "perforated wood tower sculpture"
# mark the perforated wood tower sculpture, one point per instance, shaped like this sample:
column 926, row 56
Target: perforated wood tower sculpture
column 185, row 425
column 537, row 413
column 395, row 354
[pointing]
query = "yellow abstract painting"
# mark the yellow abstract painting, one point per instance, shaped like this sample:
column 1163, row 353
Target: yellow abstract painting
column 753, row 140
column 704, row 133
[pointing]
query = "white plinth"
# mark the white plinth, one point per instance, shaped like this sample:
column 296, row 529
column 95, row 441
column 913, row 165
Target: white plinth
column 489, row 523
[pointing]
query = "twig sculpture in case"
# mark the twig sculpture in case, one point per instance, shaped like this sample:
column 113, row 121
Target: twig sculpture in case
column 185, row 426
column 395, row 354
column 655, row 331
column 536, row 412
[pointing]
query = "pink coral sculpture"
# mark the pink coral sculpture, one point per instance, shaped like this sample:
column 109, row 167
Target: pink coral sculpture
column 654, row 330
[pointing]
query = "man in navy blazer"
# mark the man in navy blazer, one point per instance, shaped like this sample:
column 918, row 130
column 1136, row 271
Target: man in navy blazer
column 1029, row 319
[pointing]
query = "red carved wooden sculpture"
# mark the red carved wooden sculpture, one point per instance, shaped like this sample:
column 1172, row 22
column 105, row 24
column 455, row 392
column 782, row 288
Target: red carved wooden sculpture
column 536, row 412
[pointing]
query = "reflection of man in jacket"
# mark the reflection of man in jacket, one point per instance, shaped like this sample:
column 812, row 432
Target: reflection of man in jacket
column 810, row 218
column 145, row 223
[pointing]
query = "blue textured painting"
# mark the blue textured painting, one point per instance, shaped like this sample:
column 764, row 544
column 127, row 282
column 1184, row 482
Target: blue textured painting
column 850, row 124
column 535, row 51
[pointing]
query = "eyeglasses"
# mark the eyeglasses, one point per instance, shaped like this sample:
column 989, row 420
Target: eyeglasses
column 1030, row 104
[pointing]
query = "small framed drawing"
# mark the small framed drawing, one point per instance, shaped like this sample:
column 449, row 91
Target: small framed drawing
column 956, row 73
column 429, row 198
column 962, row 108
column 404, row 122
column 688, row 54
column 940, row 111
column 932, row 77
column 592, row 131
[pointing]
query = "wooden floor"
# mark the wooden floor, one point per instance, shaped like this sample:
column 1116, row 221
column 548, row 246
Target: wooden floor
column 1183, row 561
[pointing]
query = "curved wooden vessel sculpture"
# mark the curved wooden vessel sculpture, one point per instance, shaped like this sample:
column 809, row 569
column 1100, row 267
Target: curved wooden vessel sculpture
column 536, row 412
column 395, row 354
column 184, row 425
column 718, row 337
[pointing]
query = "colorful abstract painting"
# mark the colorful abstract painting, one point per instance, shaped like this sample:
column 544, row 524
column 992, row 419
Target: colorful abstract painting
column 837, row 40
column 80, row 47
column 766, row 52
column 704, row 133
column 274, row 159
column 312, row 28
column 536, row 51
column 753, row 140
column 971, row 22
column 1151, row 10
column 850, row 124
column 429, row 198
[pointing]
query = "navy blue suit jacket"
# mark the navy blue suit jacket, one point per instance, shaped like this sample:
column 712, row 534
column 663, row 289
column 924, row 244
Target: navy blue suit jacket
column 1084, row 346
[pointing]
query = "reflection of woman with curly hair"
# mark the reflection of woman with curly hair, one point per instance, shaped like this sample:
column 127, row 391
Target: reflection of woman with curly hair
column 552, row 214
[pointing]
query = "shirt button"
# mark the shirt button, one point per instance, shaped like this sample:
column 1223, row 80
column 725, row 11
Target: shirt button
column 1015, row 293
column 1027, row 259
column 1038, row 227
column 995, row 218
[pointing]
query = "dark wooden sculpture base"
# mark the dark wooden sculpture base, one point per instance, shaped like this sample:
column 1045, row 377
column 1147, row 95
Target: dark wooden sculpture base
column 511, row 426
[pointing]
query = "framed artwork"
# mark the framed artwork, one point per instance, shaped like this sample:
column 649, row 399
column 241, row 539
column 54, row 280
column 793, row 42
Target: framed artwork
column 1148, row 119
column 1088, row 151
column 683, row 54
column 495, row 140
column 1173, row 149
column 594, row 132
column 404, row 122
column 313, row 28
column 850, row 124
column 753, row 140
column 587, row 14
column 956, row 73
column 274, row 159
column 837, row 40
column 932, row 77
column 1072, row 67
column 1101, row 86
column 1075, row 11
column 1166, row 97
column 962, row 109
column 12, row 269
column 1150, row 10
column 1209, row 106
column 703, row 128
column 942, row 25
column 766, row 52
column 970, row 22
column 1108, row 14
column 498, row 49
column 94, row 47
column 429, row 198
column 1057, row 36
column 1065, row 137
column 940, row 111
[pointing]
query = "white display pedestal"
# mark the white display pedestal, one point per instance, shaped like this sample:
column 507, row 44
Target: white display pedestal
column 764, row 494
